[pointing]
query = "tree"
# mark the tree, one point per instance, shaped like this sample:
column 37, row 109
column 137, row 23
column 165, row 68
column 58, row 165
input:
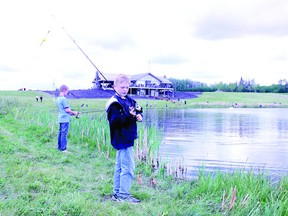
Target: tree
column 242, row 86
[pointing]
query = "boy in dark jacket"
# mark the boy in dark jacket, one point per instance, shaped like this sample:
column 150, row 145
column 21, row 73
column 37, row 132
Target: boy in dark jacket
column 123, row 113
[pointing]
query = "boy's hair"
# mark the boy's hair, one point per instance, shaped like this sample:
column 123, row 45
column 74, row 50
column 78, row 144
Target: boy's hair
column 63, row 88
column 121, row 78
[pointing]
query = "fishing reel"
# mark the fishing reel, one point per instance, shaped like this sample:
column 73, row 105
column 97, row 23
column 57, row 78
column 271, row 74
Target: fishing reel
column 136, row 108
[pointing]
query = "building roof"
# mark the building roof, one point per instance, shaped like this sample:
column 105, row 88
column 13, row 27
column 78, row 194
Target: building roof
column 165, row 80
column 111, row 77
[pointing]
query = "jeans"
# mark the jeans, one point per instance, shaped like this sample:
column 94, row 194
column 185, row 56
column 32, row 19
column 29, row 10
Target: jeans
column 62, row 136
column 124, row 172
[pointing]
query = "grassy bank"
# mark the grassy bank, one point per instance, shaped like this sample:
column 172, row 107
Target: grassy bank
column 36, row 179
column 236, row 100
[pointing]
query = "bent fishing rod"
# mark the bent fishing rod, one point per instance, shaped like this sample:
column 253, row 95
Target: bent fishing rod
column 73, row 40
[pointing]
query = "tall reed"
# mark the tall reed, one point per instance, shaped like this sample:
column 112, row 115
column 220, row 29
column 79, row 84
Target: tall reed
column 90, row 131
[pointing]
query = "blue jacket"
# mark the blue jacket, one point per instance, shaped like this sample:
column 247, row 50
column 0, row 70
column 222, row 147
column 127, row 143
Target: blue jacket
column 123, row 127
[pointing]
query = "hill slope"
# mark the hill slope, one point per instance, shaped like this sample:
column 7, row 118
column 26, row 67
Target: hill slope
column 101, row 93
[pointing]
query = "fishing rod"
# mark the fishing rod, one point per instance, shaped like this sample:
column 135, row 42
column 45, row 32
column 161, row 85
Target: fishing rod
column 84, row 112
column 73, row 40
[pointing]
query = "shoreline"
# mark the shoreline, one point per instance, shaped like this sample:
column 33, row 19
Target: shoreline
column 100, row 93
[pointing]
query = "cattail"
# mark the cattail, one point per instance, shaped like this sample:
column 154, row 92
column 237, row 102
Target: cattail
column 139, row 179
column 233, row 198
column 153, row 182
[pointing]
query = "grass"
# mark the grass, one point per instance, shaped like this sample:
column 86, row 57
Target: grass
column 223, row 100
column 240, row 100
column 36, row 179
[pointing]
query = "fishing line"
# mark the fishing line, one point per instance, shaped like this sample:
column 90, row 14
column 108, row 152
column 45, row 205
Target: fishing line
column 44, row 39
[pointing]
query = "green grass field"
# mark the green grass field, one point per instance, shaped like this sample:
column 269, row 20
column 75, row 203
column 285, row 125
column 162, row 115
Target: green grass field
column 240, row 100
column 228, row 99
column 37, row 179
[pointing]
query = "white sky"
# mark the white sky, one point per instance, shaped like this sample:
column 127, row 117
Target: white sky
column 209, row 41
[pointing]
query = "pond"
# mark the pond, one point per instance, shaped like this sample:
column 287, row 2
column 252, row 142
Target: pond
column 224, row 139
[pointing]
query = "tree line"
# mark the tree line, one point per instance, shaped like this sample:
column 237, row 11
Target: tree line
column 241, row 86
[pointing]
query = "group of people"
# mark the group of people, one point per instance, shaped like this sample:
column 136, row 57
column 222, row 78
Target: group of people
column 39, row 98
column 123, row 113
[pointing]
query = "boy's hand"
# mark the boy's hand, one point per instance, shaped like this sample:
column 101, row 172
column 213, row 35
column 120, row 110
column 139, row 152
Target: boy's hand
column 132, row 111
column 139, row 117
column 74, row 113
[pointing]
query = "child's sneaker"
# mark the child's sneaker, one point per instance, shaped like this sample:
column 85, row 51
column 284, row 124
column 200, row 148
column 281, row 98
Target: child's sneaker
column 67, row 152
column 115, row 198
column 129, row 199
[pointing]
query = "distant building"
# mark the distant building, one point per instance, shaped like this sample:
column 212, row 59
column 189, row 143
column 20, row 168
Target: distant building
column 145, row 84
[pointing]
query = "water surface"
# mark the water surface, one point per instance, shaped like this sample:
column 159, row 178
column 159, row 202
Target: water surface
column 224, row 139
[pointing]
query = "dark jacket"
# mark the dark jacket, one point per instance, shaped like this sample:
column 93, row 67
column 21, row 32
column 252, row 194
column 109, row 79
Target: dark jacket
column 123, row 127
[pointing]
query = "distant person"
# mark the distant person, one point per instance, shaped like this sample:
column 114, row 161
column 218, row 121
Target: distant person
column 41, row 98
column 63, row 118
column 123, row 113
column 37, row 98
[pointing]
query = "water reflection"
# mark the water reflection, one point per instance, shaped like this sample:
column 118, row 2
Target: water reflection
column 224, row 139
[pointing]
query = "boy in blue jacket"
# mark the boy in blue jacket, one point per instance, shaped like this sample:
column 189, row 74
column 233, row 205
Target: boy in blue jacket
column 123, row 112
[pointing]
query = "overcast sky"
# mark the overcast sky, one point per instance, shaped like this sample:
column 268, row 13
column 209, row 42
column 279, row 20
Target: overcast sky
column 209, row 41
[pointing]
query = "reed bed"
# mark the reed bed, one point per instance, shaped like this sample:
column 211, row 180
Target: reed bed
column 90, row 131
